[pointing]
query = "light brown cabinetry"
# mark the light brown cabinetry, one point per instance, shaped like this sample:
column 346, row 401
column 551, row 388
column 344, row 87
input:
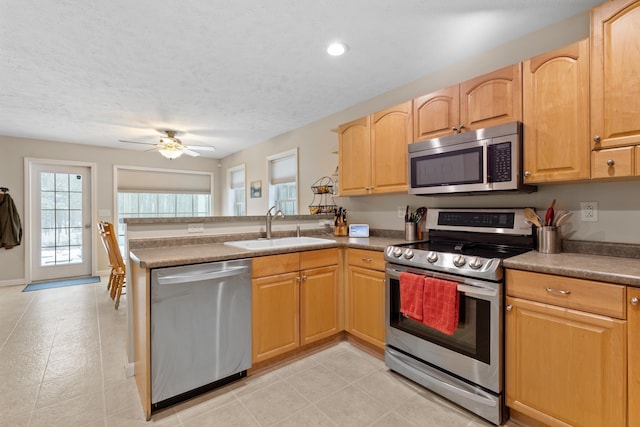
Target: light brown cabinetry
column 365, row 296
column 633, row 351
column 566, row 354
column 615, row 88
column 294, row 301
column 489, row 100
column 556, row 115
column 373, row 152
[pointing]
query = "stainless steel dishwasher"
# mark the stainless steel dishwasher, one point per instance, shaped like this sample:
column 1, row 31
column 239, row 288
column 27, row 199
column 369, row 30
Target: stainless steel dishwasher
column 200, row 328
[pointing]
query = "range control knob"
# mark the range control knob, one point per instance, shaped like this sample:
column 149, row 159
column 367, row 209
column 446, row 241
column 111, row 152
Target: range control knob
column 475, row 263
column 459, row 261
column 408, row 254
column 432, row 257
column 397, row 252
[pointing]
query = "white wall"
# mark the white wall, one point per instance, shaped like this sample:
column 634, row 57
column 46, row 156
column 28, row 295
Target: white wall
column 619, row 202
column 12, row 154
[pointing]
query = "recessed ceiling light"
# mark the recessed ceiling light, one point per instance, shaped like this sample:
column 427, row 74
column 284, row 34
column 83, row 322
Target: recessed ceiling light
column 336, row 49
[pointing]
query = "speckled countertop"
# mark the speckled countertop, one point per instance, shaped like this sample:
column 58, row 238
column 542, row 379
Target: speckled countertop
column 584, row 260
column 168, row 256
column 612, row 269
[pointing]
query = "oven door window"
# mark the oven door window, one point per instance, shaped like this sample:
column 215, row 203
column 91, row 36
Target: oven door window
column 454, row 167
column 472, row 338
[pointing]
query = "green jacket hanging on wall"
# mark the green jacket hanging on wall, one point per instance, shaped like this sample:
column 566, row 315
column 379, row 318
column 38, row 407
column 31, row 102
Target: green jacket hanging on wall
column 10, row 225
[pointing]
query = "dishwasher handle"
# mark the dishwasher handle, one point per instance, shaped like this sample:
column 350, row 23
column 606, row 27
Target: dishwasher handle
column 201, row 275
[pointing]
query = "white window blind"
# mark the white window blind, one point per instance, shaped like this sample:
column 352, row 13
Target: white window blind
column 236, row 178
column 283, row 169
column 148, row 181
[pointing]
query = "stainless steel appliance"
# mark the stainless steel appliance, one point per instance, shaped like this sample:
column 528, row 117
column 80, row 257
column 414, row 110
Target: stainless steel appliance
column 483, row 160
column 200, row 328
column 465, row 247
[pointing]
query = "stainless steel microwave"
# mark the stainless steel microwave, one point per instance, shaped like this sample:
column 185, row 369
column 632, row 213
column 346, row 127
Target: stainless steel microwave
column 482, row 160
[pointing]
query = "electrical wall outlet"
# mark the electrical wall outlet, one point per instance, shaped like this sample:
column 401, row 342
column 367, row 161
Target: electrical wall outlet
column 401, row 211
column 589, row 211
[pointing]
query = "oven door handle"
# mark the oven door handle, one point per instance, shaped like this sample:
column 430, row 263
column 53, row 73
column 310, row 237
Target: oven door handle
column 474, row 290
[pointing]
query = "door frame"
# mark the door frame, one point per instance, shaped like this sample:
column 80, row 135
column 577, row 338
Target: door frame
column 29, row 162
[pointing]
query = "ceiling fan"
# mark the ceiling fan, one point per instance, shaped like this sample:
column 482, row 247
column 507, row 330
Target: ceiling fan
column 172, row 148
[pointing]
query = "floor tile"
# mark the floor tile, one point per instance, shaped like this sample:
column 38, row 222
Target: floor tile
column 311, row 416
column 316, row 382
column 351, row 407
column 274, row 402
column 233, row 414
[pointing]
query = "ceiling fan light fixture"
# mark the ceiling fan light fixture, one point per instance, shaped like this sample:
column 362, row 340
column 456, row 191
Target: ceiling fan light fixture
column 171, row 152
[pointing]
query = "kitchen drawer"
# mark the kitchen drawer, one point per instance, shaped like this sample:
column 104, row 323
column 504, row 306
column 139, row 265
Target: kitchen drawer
column 612, row 163
column 318, row 258
column 366, row 259
column 275, row 264
column 579, row 294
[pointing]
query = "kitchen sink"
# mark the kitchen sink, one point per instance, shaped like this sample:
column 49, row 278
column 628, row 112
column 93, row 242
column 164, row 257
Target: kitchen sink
column 282, row 242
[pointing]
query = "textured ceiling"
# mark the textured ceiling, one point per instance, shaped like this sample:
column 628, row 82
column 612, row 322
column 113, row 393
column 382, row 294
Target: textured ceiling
column 230, row 73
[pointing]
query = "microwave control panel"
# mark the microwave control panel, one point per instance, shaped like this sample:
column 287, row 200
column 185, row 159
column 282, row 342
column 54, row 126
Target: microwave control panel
column 499, row 158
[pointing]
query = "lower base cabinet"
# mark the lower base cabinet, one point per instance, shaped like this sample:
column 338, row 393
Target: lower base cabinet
column 365, row 296
column 294, row 301
column 564, row 366
column 633, row 351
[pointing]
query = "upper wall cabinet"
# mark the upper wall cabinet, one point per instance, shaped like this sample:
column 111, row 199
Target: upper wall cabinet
column 556, row 115
column 373, row 152
column 615, row 89
column 484, row 101
column 615, row 81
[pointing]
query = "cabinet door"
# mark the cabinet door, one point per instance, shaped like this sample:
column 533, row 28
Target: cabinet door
column 366, row 305
column 275, row 315
column 637, row 162
column 556, row 115
column 354, row 152
column 436, row 114
column 615, row 84
column 565, row 367
column 391, row 134
column 633, row 350
column 492, row 99
column 318, row 303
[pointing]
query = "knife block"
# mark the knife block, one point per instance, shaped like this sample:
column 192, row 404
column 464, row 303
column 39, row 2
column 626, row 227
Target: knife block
column 341, row 228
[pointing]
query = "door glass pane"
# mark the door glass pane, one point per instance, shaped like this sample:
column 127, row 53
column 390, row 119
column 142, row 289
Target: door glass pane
column 61, row 218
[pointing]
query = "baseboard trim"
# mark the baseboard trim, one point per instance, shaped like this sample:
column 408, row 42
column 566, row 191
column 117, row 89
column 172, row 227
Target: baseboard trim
column 13, row 282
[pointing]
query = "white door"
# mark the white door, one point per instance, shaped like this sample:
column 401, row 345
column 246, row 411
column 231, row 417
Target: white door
column 61, row 221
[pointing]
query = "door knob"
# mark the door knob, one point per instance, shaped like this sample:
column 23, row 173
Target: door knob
column 610, row 162
column 634, row 301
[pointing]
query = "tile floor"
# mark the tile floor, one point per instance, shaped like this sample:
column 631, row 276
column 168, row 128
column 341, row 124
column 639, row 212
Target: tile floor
column 62, row 356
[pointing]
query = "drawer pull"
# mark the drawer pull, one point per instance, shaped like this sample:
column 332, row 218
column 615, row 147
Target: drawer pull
column 367, row 260
column 634, row 301
column 557, row 291
column 610, row 162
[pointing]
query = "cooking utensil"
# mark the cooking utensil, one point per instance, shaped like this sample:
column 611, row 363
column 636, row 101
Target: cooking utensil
column 548, row 218
column 562, row 217
column 530, row 215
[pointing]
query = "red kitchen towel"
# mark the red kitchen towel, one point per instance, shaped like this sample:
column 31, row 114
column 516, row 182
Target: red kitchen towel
column 441, row 305
column 411, row 294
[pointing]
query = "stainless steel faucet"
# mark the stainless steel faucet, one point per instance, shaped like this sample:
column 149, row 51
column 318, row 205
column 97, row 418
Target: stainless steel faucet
column 270, row 217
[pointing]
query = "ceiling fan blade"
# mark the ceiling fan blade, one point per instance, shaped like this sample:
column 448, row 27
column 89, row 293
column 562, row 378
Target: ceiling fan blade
column 200, row 147
column 136, row 142
column 191, row 153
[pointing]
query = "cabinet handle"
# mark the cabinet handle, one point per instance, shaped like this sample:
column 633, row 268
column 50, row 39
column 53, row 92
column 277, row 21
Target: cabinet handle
column 367, row 260
column 304, row 277
column 634, row 301
column 298, row 279
column 610, row 162
column 557, row 291
column 509, row 307
column 462, row 126
column 454, row 129
column 596, row 138
column 527, row 173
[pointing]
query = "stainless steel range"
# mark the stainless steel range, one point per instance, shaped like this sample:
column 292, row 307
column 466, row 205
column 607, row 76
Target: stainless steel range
column 465, row 248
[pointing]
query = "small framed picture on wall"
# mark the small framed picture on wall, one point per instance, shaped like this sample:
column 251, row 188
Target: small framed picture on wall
column 255, row 189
